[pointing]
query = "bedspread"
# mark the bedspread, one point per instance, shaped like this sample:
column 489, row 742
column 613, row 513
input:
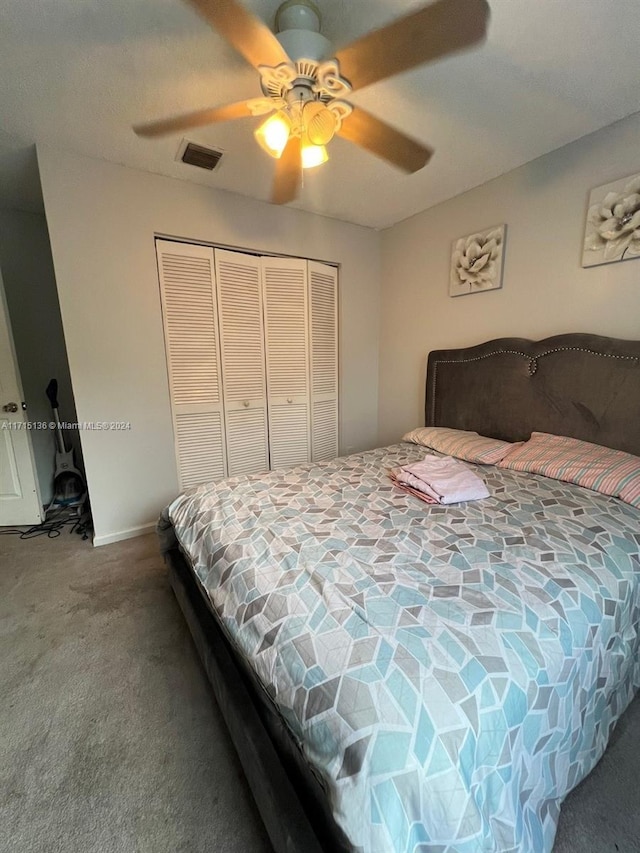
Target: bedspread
column 450, row 672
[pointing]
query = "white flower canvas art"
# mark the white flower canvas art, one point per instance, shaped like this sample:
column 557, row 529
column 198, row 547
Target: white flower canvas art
column 612, row 230
column 476, row 262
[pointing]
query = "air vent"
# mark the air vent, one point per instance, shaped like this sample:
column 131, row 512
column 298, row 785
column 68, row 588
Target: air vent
column 203, row 158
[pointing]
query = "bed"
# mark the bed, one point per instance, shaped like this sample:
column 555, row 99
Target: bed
column 400, row 677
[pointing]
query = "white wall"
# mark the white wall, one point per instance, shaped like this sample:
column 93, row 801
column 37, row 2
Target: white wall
column 102, row 219
column 32, row 299
column 545, row 290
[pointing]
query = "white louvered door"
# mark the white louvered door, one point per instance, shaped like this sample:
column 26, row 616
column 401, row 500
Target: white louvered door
column 239, row 286
column 323, row 334
column 252, row 355
column 287, row 357
column 193, row 359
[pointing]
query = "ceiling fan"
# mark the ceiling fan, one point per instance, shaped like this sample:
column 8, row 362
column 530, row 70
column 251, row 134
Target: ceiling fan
column 305, row 87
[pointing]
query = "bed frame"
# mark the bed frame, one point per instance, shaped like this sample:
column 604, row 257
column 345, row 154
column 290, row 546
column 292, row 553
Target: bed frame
column 581, row 385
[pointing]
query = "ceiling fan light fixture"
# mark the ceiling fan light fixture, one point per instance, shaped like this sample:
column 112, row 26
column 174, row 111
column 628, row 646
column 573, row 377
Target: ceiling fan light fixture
column 313, row 155
column 299, row 69
column 320, row 122
column 273, row 134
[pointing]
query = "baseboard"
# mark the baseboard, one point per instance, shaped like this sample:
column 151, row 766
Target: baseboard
column 131, row 533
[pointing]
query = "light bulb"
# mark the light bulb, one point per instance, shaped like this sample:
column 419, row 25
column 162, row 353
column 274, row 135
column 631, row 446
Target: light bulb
column 273, row 135
column 313, row 155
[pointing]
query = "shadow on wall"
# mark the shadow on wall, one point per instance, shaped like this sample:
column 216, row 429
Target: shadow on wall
column 32, row 299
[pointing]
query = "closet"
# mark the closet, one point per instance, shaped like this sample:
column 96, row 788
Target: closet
column 252, row 360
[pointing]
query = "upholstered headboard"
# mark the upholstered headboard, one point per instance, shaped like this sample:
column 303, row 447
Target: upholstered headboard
column 585, row 386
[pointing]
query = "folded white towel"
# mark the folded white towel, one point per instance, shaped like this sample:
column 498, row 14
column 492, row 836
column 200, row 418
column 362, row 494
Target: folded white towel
column 447, row 480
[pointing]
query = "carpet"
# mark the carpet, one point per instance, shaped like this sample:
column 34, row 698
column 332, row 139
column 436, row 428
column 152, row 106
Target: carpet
column 110, row 739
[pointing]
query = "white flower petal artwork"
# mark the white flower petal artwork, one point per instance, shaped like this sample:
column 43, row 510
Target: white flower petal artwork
column 476, row 262
column 612, row 228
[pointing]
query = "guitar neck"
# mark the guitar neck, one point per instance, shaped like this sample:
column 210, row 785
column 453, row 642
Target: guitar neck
column 59, row 437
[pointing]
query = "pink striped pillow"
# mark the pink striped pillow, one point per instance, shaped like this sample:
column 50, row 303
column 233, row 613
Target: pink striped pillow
column 601, row 469
column 460, row 443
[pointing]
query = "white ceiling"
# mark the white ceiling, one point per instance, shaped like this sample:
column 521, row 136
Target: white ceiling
column 77, row 75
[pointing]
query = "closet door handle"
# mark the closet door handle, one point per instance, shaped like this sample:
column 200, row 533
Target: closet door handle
column 246, row 404
column 289, row 400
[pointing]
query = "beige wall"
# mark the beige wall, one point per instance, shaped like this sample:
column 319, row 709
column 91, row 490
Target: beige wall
column 545, row 290
column 102, row 219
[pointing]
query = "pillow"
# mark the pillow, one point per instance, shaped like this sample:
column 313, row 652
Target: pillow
column 601, row 469
column 460, row 443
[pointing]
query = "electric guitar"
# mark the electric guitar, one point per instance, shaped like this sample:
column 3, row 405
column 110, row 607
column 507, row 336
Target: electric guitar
column 68, row 483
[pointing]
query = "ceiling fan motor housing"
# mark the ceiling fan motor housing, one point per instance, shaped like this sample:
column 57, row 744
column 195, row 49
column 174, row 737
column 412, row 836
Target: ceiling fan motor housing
column 298, row 15
column 300, row 93
column 298, row 31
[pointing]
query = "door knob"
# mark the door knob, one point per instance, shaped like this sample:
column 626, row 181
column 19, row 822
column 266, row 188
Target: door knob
column 10, row 407
column 246, row 404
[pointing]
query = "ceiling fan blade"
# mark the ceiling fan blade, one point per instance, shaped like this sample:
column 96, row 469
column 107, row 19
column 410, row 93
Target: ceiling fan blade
column 247, row 34
column 288, row 173
column 228, row 112
column 385, row 141
column 440, row 28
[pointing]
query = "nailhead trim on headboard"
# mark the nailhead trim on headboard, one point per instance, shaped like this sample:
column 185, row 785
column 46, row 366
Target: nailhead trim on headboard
column 532, row 367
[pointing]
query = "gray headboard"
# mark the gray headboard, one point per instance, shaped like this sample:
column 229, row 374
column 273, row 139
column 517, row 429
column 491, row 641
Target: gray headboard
column 585, row 386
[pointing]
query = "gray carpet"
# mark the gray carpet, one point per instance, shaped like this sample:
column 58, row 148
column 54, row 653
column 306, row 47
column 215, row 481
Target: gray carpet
column 110, row 739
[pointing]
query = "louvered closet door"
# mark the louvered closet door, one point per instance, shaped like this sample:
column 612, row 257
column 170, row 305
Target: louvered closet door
column 193, row 357
column 287, row 348
column 323, row 326
column 238, row 278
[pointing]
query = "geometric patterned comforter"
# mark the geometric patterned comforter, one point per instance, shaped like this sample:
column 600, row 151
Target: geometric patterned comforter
column 450, row 672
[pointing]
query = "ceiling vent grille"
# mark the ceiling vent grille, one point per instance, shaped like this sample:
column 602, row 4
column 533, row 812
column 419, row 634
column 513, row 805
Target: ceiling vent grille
column 203, row 158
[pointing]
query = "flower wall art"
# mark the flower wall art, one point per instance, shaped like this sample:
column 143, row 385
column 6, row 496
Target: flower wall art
column 613, row 223
column 476, row 262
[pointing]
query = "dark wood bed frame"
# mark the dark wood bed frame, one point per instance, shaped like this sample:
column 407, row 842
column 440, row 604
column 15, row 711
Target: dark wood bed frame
column 585, row 386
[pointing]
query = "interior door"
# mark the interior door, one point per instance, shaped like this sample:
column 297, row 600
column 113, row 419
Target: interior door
column 287, row 350
column 323, row 327
column 19, row 493
column 189, row 311
column 238, row 280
